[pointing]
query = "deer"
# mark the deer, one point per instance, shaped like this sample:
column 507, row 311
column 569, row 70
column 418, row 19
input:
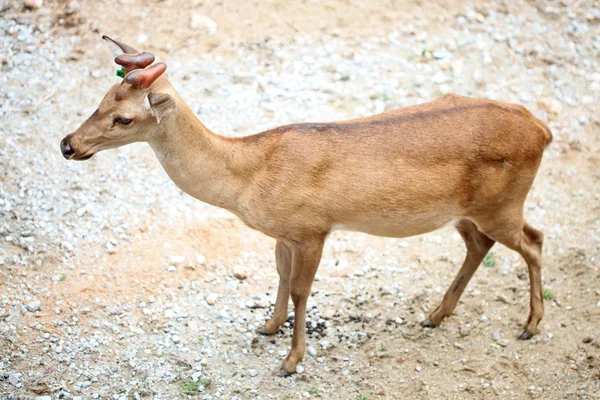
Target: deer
column 405, row 172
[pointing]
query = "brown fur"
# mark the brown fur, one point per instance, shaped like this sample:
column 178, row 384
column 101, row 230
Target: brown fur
column 397, row 174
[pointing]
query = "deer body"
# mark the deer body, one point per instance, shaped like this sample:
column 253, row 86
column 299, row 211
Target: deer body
column 397, row 174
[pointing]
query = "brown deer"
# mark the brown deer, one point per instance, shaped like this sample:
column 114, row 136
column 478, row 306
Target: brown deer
column 396, row 174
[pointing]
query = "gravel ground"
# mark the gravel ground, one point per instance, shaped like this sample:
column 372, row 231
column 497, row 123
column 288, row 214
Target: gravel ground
column 116, row 285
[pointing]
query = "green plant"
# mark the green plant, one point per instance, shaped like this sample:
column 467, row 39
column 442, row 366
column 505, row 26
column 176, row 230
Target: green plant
column 362, row 397
column 63, row 278
column 489, row 260
column 313, row 390
column 383, row 347
column 190, row 387
column 548, row 294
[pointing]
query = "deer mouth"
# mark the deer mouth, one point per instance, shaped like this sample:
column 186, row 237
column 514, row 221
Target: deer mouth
column 81, row 158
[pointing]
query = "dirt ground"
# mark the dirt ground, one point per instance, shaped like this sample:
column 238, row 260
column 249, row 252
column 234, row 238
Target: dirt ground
column 139, row 285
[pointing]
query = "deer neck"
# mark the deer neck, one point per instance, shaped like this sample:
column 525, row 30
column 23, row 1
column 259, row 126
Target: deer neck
column 212, row 168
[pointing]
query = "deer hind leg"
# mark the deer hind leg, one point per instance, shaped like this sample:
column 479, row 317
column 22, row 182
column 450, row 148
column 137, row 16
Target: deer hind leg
column 283, row 257
column 478, row 245
column 516, row 234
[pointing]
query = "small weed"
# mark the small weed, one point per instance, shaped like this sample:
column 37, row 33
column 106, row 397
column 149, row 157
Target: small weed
column 362, row 397
column 63, row 278
column 383, row 347
column 489, row 260
column 381, row 96
column 190, row 387
column 548, row 294
column 313, row 390
column 201, row 341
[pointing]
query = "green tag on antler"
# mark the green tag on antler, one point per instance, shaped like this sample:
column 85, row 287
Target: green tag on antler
column 121, row 72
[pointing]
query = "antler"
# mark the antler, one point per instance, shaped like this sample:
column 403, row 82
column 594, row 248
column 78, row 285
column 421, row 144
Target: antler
column 143, row 78
column 135, row 61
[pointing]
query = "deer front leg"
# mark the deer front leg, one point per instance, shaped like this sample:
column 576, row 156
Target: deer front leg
column 283, row 257
column 305, row 261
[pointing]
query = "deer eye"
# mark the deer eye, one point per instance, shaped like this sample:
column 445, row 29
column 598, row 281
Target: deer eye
column 122, row 121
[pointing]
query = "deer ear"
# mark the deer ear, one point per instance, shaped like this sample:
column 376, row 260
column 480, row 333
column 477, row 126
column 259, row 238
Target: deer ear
column 118, row 48
column 161, row 104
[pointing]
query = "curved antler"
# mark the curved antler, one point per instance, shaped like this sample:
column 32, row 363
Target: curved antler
column 143, row 78
column 119, row 48
column 135, row 61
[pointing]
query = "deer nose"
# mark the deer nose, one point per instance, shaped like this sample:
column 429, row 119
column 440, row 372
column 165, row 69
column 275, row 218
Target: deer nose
column 66, row 149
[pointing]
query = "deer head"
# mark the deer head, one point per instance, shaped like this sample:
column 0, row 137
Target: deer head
column 130, row 112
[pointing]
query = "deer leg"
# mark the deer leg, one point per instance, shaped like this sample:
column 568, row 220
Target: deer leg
column 283, row 258
column 517, row 235
column 531, row 250
column 478, row 245
column 305, row 261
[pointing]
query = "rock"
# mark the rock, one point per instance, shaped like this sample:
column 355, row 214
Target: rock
column 311, row 351
column 299, row 369
column 200, row 22
column 33, row 4
column 177, row 259
column 325, row 343
column 176, row 339
column 240, row 273
column 588, row 339
column 34, row 306
column 551, row 105
column 211, row 299
column 503, row 342
column 14, row 379
column 252, row 372
column 43, row 398
column 496, row 336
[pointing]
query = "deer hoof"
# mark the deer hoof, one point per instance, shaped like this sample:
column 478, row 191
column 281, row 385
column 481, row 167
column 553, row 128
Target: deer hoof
column 428, row 323
column 284, row 374
column 525, row 335
column 263, row 331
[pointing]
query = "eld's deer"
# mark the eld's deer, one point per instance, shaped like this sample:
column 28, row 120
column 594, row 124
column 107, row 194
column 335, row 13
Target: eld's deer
column 396, row 174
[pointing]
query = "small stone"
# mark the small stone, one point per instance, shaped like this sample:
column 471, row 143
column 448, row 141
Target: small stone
column 458, row 346
column 171, row 268
column 13, row 379
column 418, row 368
column 240, row 273
column 34, row 306
column 313, row 352
column 176, row 339
column 34, row 5
column 483, row 318
column 177, row 259
column 496, row 336
column 325, row 343
column 211, row 299
column 203, row 23
column 43, row 398
column 299, row 369
column 588, row 339
column 573, row 367
column 252, row 372
column 142, row 38
column 328, row 314
column 503, row 342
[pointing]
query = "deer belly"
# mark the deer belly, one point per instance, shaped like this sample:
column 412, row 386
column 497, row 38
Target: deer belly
column 397, row 224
